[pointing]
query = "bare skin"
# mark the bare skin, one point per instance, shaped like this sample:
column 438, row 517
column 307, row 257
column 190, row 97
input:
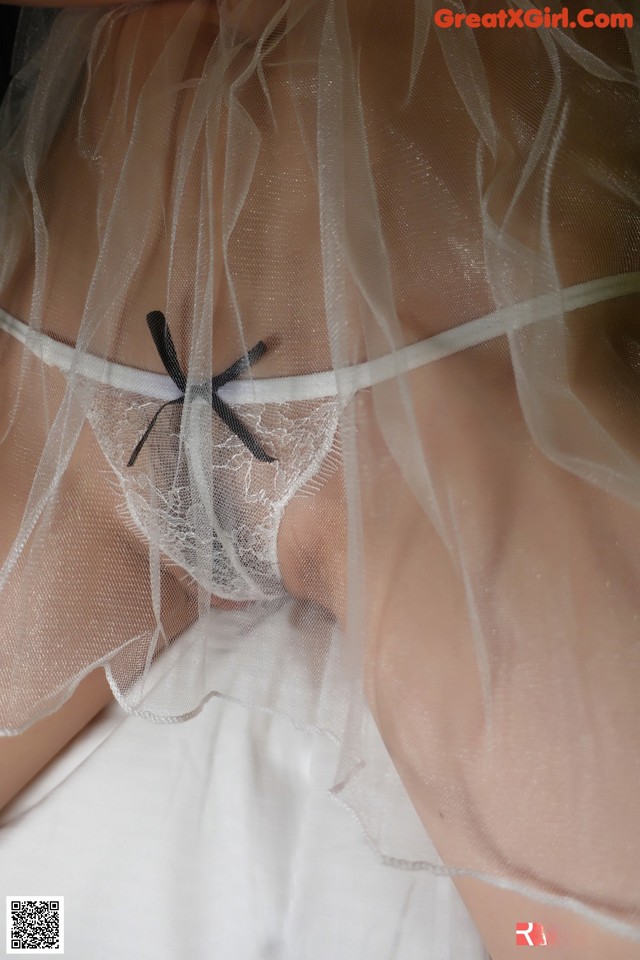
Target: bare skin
column 442, row 671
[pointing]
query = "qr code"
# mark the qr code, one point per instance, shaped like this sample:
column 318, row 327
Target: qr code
column 35, row 925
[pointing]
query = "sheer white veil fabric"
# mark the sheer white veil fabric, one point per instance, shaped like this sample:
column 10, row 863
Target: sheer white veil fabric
column 340, row 181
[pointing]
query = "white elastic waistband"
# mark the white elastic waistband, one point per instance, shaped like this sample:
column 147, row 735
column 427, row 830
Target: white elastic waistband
column 349, row 380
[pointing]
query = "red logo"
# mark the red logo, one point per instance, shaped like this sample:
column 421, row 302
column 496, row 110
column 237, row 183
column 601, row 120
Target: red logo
column 530, row 934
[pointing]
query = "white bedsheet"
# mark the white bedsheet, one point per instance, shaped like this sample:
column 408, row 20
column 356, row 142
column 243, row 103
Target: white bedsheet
column 216, row 839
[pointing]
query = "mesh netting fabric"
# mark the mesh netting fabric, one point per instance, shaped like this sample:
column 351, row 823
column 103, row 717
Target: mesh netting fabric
column 435, row 236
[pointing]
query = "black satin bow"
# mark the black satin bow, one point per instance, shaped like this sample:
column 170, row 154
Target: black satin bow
column 165, row 347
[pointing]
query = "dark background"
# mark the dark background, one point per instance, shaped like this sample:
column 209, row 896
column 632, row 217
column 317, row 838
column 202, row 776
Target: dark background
column 8, row 21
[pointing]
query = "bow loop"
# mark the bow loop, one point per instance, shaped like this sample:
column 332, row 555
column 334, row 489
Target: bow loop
column 163, row 340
